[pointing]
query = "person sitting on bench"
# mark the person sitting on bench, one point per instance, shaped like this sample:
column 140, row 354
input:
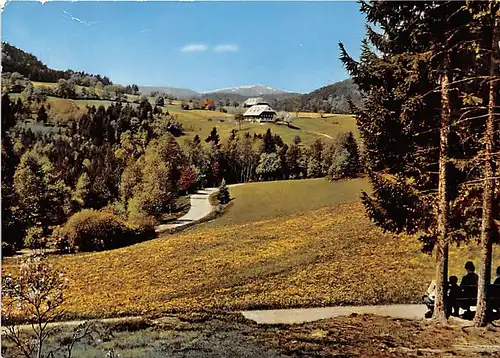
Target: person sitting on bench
column 469, row 286
column 429, row 299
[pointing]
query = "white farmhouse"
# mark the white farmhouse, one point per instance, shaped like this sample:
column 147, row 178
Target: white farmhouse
column 260, row 113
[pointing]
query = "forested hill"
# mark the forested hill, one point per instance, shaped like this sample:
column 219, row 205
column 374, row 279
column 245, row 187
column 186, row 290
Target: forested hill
column 331, row 99
column 28, row 65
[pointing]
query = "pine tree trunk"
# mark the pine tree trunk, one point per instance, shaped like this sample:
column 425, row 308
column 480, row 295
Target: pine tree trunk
column 443, row 205
column 483, row 310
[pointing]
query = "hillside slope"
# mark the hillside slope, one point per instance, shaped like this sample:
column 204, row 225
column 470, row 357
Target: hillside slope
column 327, row 256
column 28, row 65
column 331, row 99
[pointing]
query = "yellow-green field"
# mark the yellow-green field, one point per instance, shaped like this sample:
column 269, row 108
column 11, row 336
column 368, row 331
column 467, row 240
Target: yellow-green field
column 309, row 130
column 265, row 200
column 44, row 84
column 327, row 256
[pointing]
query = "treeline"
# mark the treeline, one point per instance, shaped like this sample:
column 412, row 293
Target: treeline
column 28, row 65
column 127, row 162
column 333, row 98
column 430, row 127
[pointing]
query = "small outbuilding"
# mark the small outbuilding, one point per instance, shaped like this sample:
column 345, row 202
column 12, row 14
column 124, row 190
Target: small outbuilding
column 254, row 102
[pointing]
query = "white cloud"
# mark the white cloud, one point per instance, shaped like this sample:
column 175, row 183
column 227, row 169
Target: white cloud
column 68, row 16
column 194, row 48
column 226, row 48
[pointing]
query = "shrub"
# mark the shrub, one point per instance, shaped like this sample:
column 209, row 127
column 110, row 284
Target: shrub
column 91, row 230
column 134, row 209
column 143, row 227
column 34, row 238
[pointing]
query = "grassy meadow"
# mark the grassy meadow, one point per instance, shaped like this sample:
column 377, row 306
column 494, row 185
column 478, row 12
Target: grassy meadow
column 321, row 255
column 308, row 126
column 265, row 200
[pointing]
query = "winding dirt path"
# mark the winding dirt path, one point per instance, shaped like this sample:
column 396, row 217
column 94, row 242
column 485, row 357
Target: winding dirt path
column 200, row 207
column 301, row 315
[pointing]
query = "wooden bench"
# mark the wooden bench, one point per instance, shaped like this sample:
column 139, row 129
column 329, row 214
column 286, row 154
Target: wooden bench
column 471, row 299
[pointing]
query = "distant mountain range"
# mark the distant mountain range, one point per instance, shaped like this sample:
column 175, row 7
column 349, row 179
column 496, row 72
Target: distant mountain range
column 182, row 93
column 233, row 93
column 333, row 98
column 250, row 91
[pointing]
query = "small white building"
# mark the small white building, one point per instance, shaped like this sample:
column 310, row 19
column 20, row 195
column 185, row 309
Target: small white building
column 254, row 102
column 260, row 113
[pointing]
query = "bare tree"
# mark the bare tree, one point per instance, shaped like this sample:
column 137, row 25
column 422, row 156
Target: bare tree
column 35, row 293
column 83, row 331
column 238, row 117
column 284, row 117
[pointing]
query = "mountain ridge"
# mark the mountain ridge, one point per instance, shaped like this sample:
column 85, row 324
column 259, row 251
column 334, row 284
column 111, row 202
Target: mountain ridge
column 256, row 89
column 332, row 98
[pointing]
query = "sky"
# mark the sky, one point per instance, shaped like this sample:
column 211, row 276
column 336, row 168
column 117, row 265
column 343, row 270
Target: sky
column 202, row 46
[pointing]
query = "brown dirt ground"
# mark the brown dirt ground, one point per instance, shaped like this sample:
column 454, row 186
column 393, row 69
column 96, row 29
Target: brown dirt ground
column 230, row 335
column 375, row 336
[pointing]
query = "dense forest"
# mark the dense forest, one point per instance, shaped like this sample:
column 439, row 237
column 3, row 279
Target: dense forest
column 333, row 98
column 129, row 164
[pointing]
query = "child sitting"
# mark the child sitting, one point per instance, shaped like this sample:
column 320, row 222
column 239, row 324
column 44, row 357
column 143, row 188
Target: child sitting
column 453, row 294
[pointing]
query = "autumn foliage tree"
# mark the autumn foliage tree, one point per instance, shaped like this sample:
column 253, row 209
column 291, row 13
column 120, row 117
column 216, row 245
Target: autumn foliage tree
column 187, row 179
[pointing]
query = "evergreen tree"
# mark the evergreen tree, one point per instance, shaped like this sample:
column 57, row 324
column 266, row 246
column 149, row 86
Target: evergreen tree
column 408, row 99
column 213, row 137
column 293, row 155
column 269, row 145
column 42, row 115
column 353, row 166
column 11, row 225
column 486, row 27
column 223, row 194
